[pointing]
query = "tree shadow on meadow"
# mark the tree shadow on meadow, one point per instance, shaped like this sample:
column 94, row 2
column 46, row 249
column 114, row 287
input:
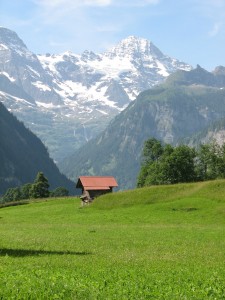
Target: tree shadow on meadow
column 28, row 252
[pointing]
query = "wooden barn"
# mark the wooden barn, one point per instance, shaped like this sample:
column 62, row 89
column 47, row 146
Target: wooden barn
column 94, row 186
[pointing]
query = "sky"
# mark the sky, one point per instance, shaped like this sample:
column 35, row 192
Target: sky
column 192, row 31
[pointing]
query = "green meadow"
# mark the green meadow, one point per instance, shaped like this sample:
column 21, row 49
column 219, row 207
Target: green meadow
column 164, row 242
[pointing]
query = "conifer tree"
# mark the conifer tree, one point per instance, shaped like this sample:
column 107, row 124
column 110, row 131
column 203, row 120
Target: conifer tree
column 40, row 187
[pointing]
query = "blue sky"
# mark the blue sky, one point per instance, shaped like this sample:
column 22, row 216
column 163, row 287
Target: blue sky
column 190, row 30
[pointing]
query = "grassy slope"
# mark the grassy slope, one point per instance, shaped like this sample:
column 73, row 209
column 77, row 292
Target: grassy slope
column 154, row 243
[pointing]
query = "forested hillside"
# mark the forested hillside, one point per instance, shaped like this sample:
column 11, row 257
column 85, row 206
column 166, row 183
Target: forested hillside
column 189, row 102
column 22, row 155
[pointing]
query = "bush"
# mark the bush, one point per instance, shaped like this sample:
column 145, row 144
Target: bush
column 59, row 192
column 12, row 194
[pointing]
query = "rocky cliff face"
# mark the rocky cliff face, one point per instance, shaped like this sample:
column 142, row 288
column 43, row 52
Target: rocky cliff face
column 67, row 99
column 215, row 131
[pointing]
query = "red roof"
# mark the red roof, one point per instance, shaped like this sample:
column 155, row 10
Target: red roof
column 96, row 182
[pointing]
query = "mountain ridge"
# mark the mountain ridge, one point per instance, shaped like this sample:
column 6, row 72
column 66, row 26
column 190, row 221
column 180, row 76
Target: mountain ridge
column 77, row 95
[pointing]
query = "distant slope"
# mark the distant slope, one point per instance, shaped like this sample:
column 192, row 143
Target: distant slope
column 199, row 76
column 170, row 112
column 22, row 155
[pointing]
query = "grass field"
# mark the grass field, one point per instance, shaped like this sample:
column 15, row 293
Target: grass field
column 163, row 242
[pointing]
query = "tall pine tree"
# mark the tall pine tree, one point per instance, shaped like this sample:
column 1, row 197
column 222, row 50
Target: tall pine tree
column 40, row 187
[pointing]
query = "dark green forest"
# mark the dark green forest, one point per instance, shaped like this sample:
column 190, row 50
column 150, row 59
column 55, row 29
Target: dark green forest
column 23, row 155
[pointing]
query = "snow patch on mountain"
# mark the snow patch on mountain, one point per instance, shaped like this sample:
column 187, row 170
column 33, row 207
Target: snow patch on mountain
column 47, row 105
column 8, row 76
column 3, row 47
column 33, row 71
column 16, row 100
column 112, row 68
column 41, row 86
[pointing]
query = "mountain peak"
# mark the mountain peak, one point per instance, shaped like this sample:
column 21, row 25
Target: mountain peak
column 219, row 70
column 132, row 46
column 132, row 39
column 10, row 38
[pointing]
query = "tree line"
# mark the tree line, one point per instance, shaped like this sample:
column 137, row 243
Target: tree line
column 38, row 189
column 166, row 164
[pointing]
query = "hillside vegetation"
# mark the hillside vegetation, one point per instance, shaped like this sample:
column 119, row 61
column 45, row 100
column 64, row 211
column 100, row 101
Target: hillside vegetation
column 164, row 242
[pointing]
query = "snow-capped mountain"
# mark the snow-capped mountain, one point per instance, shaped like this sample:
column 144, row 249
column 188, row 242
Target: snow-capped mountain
column 134, row 65
column 66, row 99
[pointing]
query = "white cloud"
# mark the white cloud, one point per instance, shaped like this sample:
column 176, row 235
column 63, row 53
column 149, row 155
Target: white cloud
column 135, row 3
column 64, row 11
column 209, row 8
column 216, row 29
column 97, row 2
column 214, row 12
column 52, row 11
column 71, row 3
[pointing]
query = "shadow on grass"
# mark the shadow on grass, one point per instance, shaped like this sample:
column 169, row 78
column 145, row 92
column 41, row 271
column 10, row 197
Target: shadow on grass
column 28, row 252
